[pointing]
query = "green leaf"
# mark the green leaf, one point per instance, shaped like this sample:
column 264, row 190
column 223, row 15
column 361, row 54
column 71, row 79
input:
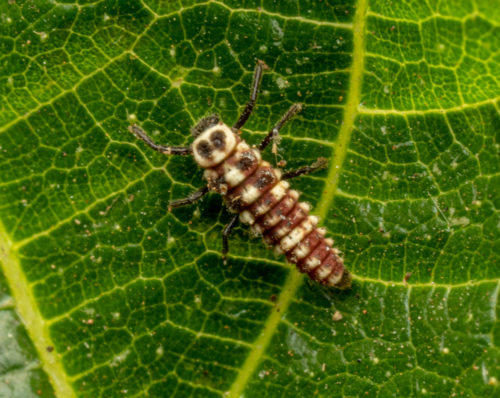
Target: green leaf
column 104, row 292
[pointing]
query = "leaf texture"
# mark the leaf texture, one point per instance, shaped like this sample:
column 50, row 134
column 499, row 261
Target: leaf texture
column 105, row 293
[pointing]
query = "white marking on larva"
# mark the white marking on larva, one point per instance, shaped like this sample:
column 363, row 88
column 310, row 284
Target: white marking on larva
column 246, row 217
column 281, row 232
column 278, row 192
column 277, row 173
column 250, row 194
column 233, row 175
column 305, row 206
column 217, row 155
column 321, row 231
column 322, row 273
column 271, row 220
column 333, row 279
column 329, row 241
column 311, row 263
column 210, row 174
column 294, row 194
column 314, row 219
column 296, row 235
column 257, row 229
column 223, row 189
column 301, row 251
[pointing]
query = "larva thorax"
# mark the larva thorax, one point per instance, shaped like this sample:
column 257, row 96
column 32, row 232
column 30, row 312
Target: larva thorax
column 253, row 188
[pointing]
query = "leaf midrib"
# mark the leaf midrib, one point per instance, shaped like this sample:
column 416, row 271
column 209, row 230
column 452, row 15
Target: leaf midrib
column 295, row 279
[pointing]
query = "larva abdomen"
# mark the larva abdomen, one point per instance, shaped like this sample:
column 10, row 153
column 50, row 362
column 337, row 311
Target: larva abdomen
column 254, row 189
column 257, row 192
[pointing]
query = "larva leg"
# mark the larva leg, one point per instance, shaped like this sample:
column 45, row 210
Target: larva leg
column 257, row 78
column 273, row 134
column 318, row 164
column 167, row 150
column 225, row 234
column 192, row 198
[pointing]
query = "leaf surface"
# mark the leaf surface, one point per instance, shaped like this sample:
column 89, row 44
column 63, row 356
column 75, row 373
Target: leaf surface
column 103, row 292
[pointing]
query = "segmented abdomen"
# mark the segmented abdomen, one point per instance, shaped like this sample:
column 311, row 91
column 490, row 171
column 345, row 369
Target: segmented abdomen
column 254, row 189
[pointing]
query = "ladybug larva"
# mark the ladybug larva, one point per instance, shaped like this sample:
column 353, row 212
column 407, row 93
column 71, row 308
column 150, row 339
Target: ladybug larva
column 258, row 193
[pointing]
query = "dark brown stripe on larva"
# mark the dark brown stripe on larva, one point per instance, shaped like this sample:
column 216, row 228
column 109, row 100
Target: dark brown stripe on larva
column 247, row 161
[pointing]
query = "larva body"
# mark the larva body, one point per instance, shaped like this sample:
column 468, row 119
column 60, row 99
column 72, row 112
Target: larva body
column 255, row 190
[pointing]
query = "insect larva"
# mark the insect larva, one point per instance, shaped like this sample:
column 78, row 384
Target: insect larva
column 258, row 193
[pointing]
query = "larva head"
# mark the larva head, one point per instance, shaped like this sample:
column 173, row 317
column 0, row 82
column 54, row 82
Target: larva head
column 214, row 145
